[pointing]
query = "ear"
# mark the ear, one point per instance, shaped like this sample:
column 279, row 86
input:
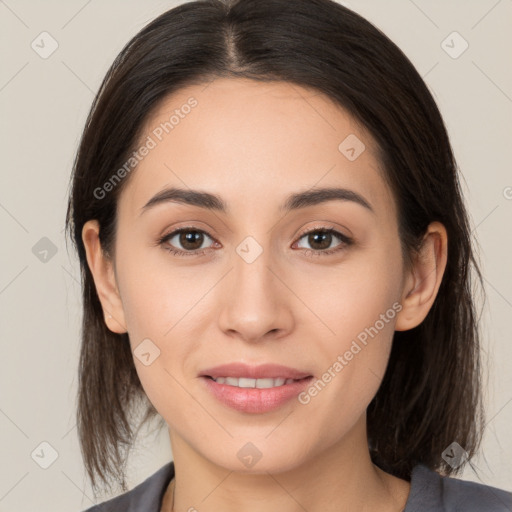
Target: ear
column 422, row 282
column 104, row 277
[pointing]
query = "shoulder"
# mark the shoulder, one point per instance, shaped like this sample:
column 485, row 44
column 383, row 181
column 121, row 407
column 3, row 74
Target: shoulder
column 431, row 492
column 146, row 496
column 469, row 496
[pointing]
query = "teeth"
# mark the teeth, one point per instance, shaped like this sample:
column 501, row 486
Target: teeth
column 244, row 382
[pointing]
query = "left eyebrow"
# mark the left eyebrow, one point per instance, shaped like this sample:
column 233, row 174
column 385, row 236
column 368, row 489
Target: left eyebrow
column 321, row 195
column 293, row 202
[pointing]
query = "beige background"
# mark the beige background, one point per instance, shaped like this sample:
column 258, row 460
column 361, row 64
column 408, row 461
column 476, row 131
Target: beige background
column 43, row 105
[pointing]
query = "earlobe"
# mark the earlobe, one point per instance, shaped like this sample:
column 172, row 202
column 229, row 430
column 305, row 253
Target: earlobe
column 424, row 279
column 101, row 268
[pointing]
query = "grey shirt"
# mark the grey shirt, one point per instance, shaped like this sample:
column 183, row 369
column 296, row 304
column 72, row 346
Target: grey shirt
column 430, row 492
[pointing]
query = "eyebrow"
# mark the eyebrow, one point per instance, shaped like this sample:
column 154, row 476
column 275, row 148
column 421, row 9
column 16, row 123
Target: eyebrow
column 295, row 201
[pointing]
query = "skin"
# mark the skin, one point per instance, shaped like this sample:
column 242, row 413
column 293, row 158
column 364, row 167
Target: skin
column 253, row 144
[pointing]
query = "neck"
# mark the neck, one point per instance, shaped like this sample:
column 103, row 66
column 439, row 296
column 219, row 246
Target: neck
column 341, row 477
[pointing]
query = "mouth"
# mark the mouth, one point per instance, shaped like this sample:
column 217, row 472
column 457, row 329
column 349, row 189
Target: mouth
column 254, row 389
column 248, row 383
column 243, row 395
column 246, row 374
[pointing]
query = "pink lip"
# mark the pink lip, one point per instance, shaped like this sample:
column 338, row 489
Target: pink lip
column 254, row 400
column 254, row 372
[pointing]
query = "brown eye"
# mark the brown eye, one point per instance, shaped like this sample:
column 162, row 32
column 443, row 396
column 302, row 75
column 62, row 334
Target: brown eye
column 320, row 241
column 185, row 241
column 191, row 240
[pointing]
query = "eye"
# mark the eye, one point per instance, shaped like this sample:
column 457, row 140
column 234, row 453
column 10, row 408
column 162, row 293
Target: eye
column 190, row 239
column 321, row 239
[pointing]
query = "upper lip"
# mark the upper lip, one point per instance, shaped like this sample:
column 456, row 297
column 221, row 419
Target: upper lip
column 254, row 372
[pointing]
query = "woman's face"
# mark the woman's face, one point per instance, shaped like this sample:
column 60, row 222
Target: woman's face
column 250, row 286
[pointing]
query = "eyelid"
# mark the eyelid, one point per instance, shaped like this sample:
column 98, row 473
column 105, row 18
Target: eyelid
column 327, row 226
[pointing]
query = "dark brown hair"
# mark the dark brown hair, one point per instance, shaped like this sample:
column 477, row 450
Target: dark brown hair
column 430, row 395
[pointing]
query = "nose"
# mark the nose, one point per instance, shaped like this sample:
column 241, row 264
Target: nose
column 255, row 302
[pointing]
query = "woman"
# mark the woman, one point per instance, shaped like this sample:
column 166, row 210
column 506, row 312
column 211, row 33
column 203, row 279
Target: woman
column 276, row 259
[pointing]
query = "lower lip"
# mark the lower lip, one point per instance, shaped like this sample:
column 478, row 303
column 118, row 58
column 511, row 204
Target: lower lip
column 254, row 400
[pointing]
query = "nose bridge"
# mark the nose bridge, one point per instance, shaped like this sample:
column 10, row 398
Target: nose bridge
column 253, row 280
column 253, row 305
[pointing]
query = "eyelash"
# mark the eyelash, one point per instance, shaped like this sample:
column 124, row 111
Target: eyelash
column 345, row 242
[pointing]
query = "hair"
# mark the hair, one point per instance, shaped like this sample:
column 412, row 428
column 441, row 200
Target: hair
column 430, row 395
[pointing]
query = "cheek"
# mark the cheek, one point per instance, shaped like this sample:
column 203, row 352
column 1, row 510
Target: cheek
column 345, row 299
column 358, row 307
column 161, row 304
column 154, row 292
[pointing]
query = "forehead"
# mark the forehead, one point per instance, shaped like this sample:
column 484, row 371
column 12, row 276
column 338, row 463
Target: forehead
column 255, row 143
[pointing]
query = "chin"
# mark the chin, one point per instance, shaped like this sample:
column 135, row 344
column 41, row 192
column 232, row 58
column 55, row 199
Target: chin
column 259, row 456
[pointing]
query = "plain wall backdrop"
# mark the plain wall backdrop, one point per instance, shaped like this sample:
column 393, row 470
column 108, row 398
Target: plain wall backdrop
column 44, row 100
